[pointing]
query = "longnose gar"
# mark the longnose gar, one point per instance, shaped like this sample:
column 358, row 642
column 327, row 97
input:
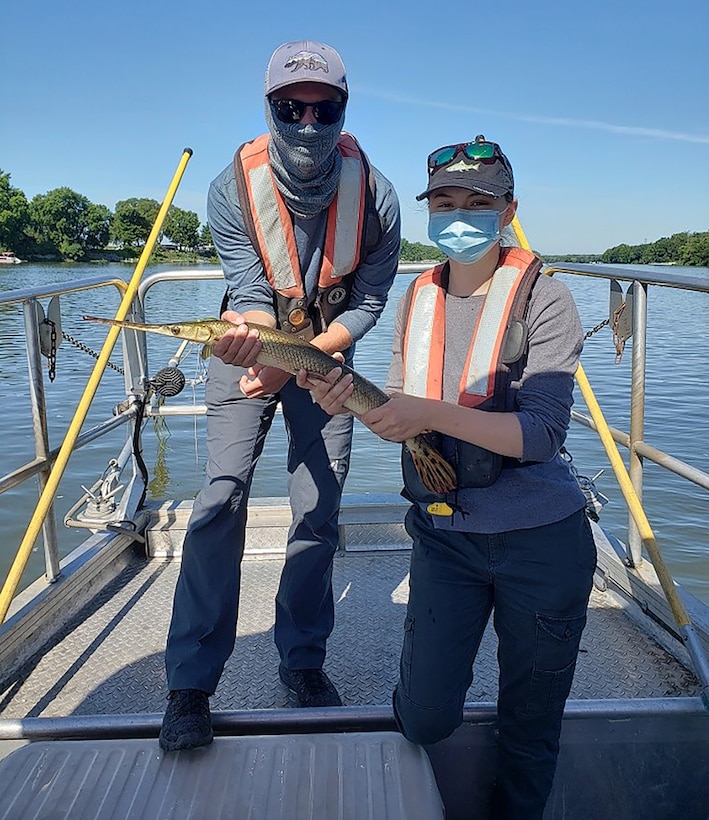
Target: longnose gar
column 289, row 353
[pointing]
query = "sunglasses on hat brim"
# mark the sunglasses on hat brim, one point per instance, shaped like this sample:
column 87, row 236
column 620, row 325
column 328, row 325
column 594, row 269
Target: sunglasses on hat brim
column 325, row 112
column 480, row 151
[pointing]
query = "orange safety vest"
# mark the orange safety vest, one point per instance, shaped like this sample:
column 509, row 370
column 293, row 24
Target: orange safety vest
column 499, row 340
column 269, row 224
column 499, row 337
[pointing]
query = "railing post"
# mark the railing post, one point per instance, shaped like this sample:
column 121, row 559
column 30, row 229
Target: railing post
column 41, row 433
column 135, row 366
column 135, row 355
column 637, row 410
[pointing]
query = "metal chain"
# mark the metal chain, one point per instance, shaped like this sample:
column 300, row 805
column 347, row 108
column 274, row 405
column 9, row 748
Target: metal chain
column 91, row 352
column 52, row 357
column 617, row 340
column 598, row 327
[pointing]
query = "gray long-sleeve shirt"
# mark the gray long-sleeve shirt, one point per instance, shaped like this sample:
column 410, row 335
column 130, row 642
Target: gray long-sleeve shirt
column 536, row 494
column 246, row 280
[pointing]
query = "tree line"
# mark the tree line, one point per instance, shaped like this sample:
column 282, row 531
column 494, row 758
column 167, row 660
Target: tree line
column 690, row 249
column 67, row 225
column 679, row 249
column 63, row 224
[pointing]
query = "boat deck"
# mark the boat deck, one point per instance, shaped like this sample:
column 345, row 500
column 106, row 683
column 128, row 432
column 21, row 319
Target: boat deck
column 109, row 658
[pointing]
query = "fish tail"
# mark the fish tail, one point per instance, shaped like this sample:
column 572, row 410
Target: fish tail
column 437, row 475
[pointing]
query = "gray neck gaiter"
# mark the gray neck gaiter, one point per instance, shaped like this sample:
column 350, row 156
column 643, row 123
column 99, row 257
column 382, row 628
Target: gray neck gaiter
column 305, row 162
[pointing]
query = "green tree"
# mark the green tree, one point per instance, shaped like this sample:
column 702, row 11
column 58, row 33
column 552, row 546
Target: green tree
column 675, row 249
column 98, row 228
column 620, row 255
column 205, row 236
column 668, row 248
column 695, row 251
column 417, row 252
column 133, row 219
column 14, row 216
column 182, row 227
column 61, row 218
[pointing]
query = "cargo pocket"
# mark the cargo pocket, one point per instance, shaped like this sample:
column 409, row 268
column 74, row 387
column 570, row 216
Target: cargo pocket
column 556, row 649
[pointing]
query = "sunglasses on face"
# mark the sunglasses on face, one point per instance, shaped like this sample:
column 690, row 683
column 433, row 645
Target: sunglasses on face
column 480, row 150
column 326, row 112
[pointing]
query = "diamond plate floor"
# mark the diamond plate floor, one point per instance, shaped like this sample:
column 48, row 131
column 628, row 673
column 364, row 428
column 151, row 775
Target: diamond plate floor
column 111, row 662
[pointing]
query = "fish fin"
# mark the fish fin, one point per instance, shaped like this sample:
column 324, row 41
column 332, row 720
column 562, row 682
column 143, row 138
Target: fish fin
column 437, row 475
column 316, row 377
column 207, row 351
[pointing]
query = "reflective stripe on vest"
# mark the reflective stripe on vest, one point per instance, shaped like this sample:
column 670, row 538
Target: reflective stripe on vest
column 424, row 336
column 423, row 344
column 274, row 225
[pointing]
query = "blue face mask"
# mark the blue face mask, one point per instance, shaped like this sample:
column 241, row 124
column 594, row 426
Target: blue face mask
column 464, row 236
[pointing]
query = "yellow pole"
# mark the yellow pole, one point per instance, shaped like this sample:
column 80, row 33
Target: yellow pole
column 631, row 497
column 25, row 549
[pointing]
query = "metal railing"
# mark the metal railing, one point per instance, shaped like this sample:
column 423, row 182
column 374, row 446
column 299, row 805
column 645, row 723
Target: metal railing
column 136, row 375
column 640, row 534
column 49, row 482
column 637, row 297
column 137, row 381
column 45, row 457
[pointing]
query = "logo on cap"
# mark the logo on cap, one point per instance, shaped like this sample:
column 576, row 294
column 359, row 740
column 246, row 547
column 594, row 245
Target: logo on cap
column 308, row 60
column 463, row 166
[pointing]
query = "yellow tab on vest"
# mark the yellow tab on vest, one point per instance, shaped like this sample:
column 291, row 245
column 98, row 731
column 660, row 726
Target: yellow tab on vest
column 439, row 508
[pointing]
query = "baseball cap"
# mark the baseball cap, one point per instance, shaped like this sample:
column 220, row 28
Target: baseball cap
column 491, row 176
column 305, row 61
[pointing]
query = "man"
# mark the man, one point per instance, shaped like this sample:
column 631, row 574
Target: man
column 308, row 236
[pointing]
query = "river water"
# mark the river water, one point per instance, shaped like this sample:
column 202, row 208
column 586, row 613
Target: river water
column 677, row 396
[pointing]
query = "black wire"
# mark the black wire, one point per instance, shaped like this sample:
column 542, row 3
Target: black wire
column 167, row 382
column 137, row 454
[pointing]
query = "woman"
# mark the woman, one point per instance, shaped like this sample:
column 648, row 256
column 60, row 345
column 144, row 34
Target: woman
column 484, row 355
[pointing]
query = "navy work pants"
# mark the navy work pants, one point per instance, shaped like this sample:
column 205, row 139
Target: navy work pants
column 206, row 602
column 538, row 582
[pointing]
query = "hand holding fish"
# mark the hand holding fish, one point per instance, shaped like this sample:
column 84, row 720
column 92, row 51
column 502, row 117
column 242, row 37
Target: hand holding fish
column 401, row 418
column 330, row 391
column 262, row 381
column 239, row 345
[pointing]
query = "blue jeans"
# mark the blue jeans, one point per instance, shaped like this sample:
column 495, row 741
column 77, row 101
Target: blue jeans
column 206, row 603
column 538, row 582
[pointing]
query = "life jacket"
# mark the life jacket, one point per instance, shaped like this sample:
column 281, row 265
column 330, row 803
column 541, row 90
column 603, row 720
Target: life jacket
column 499, row 341
column 352, row 227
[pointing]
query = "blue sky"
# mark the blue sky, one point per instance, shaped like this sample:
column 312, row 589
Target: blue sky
column 601, row 106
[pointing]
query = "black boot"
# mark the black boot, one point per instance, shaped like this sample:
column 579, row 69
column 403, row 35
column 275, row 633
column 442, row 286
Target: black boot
column 187, row 723
column 311, row 687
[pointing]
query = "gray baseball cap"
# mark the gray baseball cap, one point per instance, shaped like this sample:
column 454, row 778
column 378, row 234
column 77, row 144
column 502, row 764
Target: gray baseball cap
column 491, row 176
column 305, row 61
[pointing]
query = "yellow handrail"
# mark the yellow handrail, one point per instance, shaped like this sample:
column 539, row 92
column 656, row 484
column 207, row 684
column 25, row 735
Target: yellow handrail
column 45, row 501
column 626, row 486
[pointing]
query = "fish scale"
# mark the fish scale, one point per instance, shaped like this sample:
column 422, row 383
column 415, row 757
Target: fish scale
column 292, row 354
